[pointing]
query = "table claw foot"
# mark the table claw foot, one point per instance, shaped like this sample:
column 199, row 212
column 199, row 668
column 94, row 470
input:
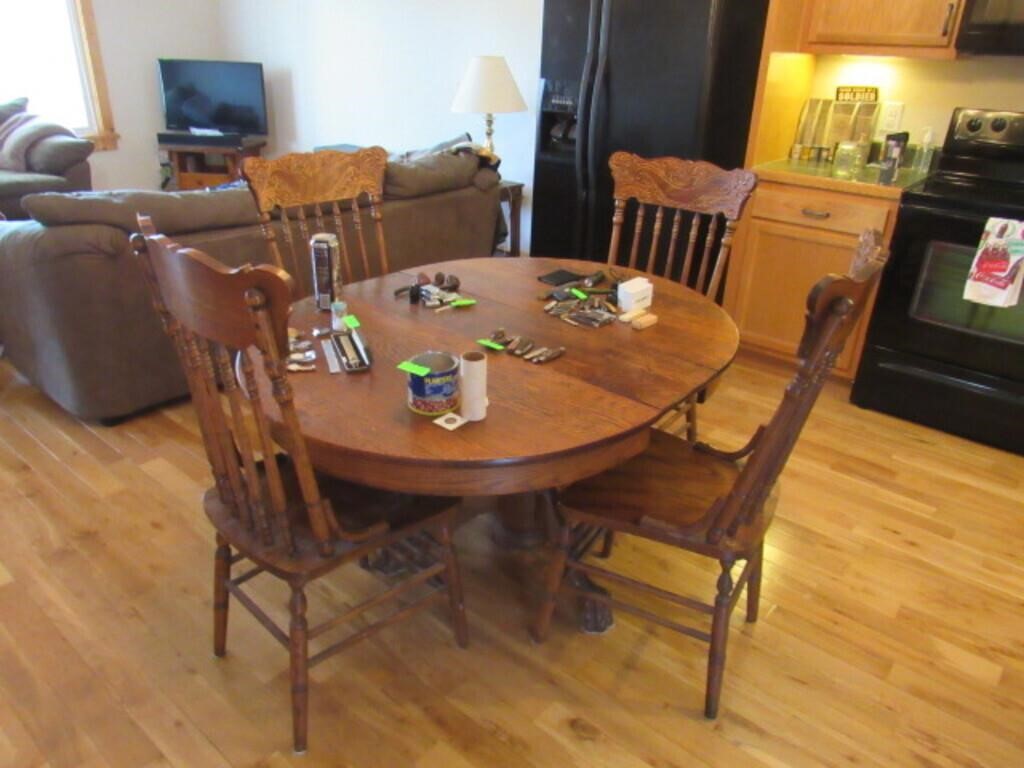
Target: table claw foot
column 596, row 617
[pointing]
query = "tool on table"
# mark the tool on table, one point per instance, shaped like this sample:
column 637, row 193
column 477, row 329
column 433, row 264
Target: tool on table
column 531, row 356
column 301, row 367
column 331, row 356
column 307, row 356
column 352, row 351
column 644, row 321
column 633, row 314
column 548, row 356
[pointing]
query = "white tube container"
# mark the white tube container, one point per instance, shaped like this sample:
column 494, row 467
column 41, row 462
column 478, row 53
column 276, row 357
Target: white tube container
column 473, row 373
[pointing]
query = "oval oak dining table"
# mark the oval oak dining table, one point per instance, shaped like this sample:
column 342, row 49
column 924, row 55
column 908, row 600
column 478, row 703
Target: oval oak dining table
column 547, row 425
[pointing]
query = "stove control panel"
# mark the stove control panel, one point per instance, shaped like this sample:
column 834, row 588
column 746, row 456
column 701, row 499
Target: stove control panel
column 982, row 127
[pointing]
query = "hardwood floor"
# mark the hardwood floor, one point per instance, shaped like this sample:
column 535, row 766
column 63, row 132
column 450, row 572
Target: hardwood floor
column 891, row 630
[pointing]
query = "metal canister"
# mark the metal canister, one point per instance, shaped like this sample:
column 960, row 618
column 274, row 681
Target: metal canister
column 436, row 392
column 325, row 252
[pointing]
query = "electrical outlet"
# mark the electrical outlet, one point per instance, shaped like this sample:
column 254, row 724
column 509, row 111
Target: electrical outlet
column 891, row 117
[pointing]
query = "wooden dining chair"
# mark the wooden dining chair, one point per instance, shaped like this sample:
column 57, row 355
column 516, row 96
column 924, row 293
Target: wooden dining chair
column 711, row 502
column 268, row 506
column 684, row 215
column 322, row 191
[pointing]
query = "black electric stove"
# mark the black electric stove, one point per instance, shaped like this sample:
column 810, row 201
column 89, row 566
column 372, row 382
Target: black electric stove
column 931, row 356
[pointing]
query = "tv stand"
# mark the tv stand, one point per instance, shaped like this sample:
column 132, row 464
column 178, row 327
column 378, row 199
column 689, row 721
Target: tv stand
column 207, row 161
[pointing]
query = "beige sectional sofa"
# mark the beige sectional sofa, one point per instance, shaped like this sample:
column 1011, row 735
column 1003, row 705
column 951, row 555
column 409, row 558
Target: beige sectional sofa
column 75, row 316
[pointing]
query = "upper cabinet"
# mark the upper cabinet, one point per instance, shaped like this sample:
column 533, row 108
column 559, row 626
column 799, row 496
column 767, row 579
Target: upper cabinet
column 893, row 27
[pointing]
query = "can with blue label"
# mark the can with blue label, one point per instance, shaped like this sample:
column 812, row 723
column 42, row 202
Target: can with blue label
column 435, row 392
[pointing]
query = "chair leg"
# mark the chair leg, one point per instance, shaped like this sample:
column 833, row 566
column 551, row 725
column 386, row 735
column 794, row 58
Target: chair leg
column 719, row 636
column 454, row 580
column 552, row 580
column 299, row 649
column 691, row 419
column 221, row 574
column 607, row 544
column 754, row 585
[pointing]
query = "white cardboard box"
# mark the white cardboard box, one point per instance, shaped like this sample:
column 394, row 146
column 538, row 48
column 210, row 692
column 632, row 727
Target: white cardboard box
column 635, row 294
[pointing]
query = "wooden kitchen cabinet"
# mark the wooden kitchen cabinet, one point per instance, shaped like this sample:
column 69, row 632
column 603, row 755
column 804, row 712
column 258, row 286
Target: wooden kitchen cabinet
column 896, row 27
column 790, row 237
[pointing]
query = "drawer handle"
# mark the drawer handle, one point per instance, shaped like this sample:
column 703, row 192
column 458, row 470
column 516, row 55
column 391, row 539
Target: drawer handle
column 949, row 19
column 813, row 214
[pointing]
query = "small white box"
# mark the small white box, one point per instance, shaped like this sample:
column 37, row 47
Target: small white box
column 635, row 294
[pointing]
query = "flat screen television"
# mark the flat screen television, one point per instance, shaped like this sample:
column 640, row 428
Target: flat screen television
column 224, row 95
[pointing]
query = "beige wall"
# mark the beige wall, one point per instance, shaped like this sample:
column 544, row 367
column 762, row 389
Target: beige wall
column 929, row 89
column 133, row 34
column 385, row 71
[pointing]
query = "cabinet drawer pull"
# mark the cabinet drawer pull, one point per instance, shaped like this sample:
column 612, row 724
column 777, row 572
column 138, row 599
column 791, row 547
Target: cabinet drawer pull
column 813, row 214
column 949, row 19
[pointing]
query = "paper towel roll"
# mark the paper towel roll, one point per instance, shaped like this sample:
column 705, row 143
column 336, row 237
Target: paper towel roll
column 473, row 372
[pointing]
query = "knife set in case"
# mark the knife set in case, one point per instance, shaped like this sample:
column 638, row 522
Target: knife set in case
column 346, row 351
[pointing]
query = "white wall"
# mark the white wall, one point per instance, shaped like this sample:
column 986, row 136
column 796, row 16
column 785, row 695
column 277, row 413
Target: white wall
column 133, row 34
column 385, row 71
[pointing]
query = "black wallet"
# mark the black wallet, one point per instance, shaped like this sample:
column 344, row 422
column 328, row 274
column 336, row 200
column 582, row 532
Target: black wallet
column 560, row 277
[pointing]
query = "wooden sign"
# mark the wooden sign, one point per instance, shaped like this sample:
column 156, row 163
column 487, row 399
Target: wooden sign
column 856, row 93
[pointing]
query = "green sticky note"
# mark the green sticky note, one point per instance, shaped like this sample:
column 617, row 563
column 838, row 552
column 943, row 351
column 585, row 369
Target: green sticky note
column 578, row 293
column 490, row 344
column 411, row 367
column 463, row 303
column 351, row 321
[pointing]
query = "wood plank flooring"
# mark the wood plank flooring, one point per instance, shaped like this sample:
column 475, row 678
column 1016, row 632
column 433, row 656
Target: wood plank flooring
column 891, row 630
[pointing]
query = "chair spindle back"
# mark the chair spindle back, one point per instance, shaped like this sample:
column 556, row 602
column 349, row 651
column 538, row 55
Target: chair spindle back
column 688, row 197
column 316, row 192
column 834, row 305
column 217, row 318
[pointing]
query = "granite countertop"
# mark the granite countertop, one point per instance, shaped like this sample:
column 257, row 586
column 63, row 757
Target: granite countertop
column 819, row 175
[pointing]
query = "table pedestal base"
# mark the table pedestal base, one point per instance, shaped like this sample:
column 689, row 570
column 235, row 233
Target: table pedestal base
column 526, row 521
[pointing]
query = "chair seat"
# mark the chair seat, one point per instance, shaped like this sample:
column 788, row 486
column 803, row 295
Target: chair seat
column 357, row 507
column 666, row 493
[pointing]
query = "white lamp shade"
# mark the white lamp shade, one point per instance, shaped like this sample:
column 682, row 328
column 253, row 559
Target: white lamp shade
column 488, row 86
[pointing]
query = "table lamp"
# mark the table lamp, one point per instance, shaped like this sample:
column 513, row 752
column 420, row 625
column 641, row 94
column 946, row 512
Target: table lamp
column 487, row 87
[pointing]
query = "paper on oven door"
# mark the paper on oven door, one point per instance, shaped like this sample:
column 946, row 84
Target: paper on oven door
column 998, row 267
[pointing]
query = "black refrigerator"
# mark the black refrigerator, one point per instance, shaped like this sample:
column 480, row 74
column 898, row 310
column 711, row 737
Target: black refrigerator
column 654, row 77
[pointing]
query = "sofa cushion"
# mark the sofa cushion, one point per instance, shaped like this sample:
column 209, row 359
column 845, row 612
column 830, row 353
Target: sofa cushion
column 429, row 174
column 11, row 108
column 55, row 154
column 172, row 212
column 16, row 183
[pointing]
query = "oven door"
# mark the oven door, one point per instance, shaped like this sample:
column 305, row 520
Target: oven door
column 992, row 27
column 921, row 310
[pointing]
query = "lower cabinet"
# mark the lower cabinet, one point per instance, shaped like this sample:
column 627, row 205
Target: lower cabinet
column 790, row 237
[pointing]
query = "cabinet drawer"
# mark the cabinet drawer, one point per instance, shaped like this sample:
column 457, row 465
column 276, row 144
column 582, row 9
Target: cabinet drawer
column 823, row 210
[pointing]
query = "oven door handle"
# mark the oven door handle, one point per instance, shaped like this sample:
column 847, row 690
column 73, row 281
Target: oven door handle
column 945, row 213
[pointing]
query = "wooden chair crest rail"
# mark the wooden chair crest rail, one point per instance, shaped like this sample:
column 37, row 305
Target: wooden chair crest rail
column 701, row 499
column 311, row 192
column 687, row 189
column 268, row 505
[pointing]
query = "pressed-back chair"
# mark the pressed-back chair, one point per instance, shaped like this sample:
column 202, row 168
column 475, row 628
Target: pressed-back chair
column 268, row 506
column 322, row 191
column 692, row 208
column 714, row 503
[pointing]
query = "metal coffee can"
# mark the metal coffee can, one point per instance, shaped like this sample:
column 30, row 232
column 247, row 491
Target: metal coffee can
column 325, row 252
column 436, row 392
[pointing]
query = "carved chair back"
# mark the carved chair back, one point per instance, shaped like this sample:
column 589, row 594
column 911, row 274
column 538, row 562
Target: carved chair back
column 686, row 196
column 834, row 305
column 216, row 319
column 312, row 192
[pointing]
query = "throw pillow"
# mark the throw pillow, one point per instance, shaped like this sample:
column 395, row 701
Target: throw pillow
column 428, row 175
column 416, row 154
column 18, row 134
column 10, row 108
column 55, row 154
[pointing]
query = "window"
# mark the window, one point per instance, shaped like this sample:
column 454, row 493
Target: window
column 51, row 55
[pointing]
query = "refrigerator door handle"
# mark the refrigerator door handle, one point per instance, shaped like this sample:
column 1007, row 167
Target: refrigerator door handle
column 582, row 121
column 594, row 121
